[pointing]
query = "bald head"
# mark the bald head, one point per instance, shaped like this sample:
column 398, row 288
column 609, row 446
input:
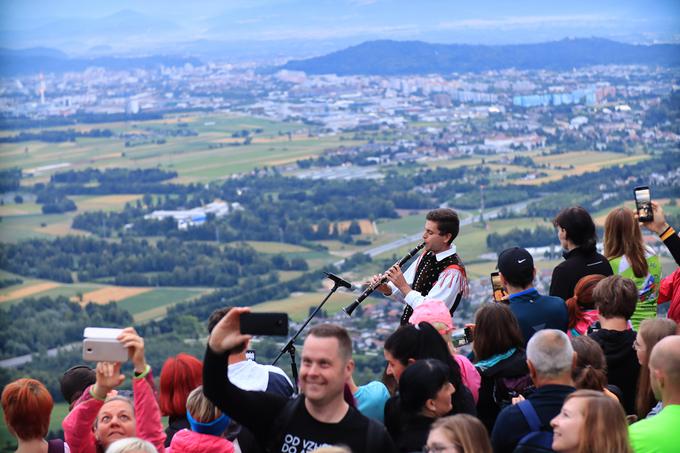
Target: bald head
column 666, row 358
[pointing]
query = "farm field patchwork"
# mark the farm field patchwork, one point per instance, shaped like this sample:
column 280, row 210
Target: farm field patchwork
column 29, row 290
column 154, row 303
column 195, row 158
column 108, row 294
column 26, row 220
column 298, row 304
column 583, row 162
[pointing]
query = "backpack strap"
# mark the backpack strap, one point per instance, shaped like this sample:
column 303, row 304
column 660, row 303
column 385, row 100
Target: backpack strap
column 530, row 415
column 282, row 420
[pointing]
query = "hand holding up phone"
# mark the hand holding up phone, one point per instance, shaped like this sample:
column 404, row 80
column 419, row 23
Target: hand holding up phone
column 500, row 294
column 108, row 378
column 643, row 204
column 135, row 346
column 227, row 333
column 658, row 223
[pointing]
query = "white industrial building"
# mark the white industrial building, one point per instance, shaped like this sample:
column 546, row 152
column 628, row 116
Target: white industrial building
column 196, row 216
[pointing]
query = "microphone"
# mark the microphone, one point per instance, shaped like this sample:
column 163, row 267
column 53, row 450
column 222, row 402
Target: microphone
column 338, row 280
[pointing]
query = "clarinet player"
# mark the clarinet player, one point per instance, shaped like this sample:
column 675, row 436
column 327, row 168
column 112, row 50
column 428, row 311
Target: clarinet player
column 437, row 274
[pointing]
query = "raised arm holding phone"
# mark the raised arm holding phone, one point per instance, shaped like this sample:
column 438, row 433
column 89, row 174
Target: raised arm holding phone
column 318, row 416
column 114, row 416
column 666, row 232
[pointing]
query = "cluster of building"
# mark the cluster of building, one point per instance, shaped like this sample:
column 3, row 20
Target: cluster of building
column 196, row 216
column 520, row 104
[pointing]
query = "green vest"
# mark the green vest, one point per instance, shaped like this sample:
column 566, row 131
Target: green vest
column 648, row 286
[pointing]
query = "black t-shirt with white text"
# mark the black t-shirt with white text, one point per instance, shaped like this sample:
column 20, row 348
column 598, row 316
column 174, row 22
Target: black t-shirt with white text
column 304, row 434
column 260, row 412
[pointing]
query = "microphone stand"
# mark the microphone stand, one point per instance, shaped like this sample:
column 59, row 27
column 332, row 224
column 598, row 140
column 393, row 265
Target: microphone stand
column 290, row 346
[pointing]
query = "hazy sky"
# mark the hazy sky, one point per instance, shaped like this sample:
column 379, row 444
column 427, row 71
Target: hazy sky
column 90, row 22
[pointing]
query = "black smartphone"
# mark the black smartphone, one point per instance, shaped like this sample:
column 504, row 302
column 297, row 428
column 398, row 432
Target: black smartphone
column 594, row 327
column 499, row 292
column 275, row 324
column 643, row 203
column 461, row 337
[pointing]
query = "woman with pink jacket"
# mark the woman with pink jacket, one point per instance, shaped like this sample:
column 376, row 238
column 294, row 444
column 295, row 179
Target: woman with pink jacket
column 113, row 416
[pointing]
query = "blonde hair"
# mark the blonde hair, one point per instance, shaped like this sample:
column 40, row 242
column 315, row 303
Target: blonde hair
column 200, row 407
column 131, row 444
column 465, row 431
column 622, row 236
column 604, row 424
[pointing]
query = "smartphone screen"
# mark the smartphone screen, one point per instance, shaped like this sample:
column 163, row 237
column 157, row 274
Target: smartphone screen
column 643, row 204
column 461, row 337
column 499, row 292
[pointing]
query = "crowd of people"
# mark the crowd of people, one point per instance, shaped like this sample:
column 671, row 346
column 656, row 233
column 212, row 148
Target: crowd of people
column 589, row 367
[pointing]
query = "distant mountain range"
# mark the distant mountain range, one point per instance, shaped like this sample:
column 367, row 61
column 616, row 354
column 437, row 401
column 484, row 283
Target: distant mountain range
column 40, row 59
column 387, row 57
column 370, row 58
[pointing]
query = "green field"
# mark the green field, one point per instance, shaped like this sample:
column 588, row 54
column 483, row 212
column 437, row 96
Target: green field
column 141, row 305
column 275, row 247
column 581, row 158
column 457, row 163
column 285, row 276
column 145, row 306
column 26, row 221
column 297, row 305
column 407, row 225
column 17, row 228
column 583, row 161
column 198, row 158
column 25, row 282
column 69, row 290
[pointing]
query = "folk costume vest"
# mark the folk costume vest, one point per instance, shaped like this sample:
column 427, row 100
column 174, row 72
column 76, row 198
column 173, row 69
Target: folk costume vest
column 427, row 274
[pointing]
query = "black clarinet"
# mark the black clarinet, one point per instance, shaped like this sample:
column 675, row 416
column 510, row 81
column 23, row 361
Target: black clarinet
column 353, row 306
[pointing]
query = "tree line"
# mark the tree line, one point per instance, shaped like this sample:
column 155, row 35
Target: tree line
column 295, row 210
column 10, row 179
column 168, row 262
column 112, row 175
column 281, row 208
column 52, row 136
column 522, row 237
column 22, row 326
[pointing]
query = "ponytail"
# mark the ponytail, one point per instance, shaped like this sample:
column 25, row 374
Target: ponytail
column 582, row 298
column 573, row 311
column 590, row 378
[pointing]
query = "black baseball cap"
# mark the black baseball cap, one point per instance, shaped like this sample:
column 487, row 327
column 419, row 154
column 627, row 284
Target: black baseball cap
column 75, row 380
column 516, row 265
